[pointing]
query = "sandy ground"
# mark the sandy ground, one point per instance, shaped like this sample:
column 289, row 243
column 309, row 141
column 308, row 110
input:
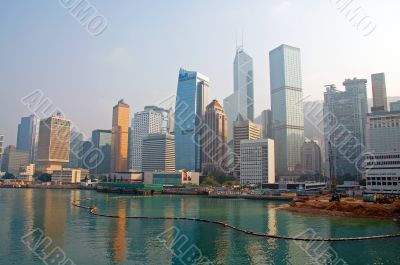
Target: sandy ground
column 346, row 209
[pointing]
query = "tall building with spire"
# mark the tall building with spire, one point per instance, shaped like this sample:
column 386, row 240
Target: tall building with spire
column 287, row 107
column 242, row 100
column 191, row 100
column 120, row 137
column 215, row 136
column 54, row 143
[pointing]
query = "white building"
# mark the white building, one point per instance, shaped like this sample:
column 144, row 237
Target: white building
column 1, row 148
column 257, row 161
column 144, row 123
column 158, row 153
column 69, row 175
column 383, row 172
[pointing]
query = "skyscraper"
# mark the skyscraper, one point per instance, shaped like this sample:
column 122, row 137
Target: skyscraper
column 265, row 120
column 101, row 140
column 144, row 123
column 159, row 153
column 120, row 134
column 165, row 121
column 191, row 100
column 287, row 106
column 215, row 138
column 379, row 92
column 54, row 143
column 345, row 114
column 243, row 130
column 242, row 99
column 28, row 136
column 311, row 161
column 75, row 150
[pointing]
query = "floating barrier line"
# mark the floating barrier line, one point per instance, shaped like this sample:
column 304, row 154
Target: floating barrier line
column 93, row 211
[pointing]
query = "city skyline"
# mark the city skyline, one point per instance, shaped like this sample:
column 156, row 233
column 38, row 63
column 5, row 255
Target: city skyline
column 99, row 65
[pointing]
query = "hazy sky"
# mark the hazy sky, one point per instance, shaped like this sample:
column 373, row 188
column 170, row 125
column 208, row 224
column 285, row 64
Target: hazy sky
column 42, row 46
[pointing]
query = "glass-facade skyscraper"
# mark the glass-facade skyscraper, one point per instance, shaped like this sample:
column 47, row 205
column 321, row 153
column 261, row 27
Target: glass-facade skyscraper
column 345, row 117
column 287, row 106
column 101, row 139
column 28, row 136
column 191, row 101
column 242, row 100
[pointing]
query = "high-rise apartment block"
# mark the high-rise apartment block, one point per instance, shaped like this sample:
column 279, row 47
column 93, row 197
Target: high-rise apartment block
column 287, row 106
column 14, row 160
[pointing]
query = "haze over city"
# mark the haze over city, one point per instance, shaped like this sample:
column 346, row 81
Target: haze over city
column 138, row 55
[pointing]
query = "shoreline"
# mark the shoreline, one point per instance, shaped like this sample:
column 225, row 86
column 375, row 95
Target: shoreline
column 354, row 210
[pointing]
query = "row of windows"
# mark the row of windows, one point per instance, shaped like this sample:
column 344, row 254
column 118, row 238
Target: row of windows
column 383, row 157
column 381, row 163
column 385, row 125
column 383, row 178
column 382, row 183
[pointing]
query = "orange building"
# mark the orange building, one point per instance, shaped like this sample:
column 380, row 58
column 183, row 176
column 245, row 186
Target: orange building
column 120, row 135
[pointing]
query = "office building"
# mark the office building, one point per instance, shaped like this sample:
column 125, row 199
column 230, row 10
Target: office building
column 395, row 106
column 257, row 162
column 101, row 140
column 191, row 100
column 69, row 175
column 54, row 143
column 383, row 132
column 287, row 106
column 176, row 178
column 379, row 93
column 311, row 160
column 14, row 160
column 242, row 99
column 144, row 123
column 215, row 139
column 243, row 130
column 75, row 150
column 28, row 136
column 382, row 172
column 158, row 153
column 265, row 120
column 345, row 116
column 119, row 139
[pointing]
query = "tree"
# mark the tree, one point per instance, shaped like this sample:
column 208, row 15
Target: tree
column 209, row 181
column 8, row 176
column 45, row 177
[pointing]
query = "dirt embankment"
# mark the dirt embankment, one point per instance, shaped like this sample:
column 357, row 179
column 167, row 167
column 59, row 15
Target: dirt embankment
column 347, row 209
